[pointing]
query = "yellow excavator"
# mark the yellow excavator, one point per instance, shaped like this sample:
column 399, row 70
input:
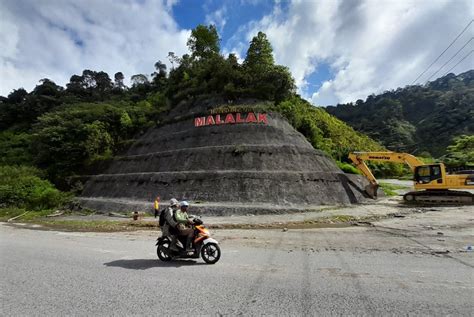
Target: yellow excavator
column 431, row 181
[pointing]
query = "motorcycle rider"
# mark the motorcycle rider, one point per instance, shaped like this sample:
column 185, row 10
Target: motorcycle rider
column 184, row 224
column 170, row 227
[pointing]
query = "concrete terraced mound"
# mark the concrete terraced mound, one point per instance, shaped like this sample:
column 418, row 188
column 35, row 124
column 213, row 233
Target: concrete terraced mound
column 222, row 168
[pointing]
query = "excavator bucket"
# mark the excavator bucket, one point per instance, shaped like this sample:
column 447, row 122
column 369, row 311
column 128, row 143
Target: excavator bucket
column 371, row 190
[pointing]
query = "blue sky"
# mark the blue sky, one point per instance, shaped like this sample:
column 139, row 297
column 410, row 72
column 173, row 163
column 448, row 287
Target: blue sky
column 337, row 50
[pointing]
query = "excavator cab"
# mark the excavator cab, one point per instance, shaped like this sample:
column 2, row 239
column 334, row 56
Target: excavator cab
column 425, row 174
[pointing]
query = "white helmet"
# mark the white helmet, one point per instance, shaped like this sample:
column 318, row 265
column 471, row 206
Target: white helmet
column 173, row 202
column 184, row 203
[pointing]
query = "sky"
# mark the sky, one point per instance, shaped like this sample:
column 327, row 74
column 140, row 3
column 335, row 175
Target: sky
column 337, row 50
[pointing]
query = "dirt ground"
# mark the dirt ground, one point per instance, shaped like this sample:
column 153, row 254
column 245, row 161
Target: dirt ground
column 384, row 225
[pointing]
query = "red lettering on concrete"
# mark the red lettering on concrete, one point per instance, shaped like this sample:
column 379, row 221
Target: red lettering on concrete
column 251, row 118
column 199, row 122
column 229, row 118
column 238, row 119
column 210, row 120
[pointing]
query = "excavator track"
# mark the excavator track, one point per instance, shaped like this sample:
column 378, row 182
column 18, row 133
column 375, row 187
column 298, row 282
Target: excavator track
column 448, row 197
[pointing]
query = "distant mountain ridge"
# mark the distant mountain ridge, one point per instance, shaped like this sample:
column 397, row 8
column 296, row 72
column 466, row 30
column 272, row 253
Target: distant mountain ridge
column 415, row 119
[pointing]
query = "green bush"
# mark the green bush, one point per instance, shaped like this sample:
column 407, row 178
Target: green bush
column 347, row 168
column 388, row 170
column 14, row 148
column 23, row 187
column 69, row 140
column 460, row 152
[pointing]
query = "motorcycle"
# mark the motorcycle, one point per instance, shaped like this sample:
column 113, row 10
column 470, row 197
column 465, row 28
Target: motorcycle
column 203, row 245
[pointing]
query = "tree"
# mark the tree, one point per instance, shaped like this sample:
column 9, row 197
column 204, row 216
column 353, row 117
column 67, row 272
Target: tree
column 47, row 88
column 75, row 85
column 103, row 84
column 461, row 151
column 11, row 107
column 139, row 79
column 173, row 59
column 159, row 76
column 160, row 69
column 20, row 110
column 260, row 53
column 90, row 86
column 265, row 80
column 118, row 81
column 67, row 141
column 204, row 42
column 15, row 148
column 232, row 60
column 17, row 96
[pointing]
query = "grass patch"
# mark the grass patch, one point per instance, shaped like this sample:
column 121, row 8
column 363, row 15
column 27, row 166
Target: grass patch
column 390, row 189
column 326, row 222
column 8, row 213
column 131, row 225
column 97, row 225
column 342, row 218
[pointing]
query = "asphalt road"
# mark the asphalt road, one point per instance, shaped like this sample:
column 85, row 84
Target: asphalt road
column 349, row 271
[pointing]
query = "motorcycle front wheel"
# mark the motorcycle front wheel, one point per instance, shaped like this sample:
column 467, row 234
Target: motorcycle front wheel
column 211, row 253
column 162, row 251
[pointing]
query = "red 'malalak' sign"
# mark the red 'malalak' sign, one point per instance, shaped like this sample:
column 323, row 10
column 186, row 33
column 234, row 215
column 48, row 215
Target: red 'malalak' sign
column 231, row 118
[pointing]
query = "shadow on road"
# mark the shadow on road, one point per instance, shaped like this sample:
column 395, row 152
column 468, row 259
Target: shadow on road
column 143, row 264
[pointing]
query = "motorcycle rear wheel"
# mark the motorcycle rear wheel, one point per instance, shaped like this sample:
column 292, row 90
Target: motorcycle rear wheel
column 211, row 253
column 162, row 250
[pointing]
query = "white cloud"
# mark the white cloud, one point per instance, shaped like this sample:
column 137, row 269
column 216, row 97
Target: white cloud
column 218, row 18
column 369, row 45
column 54, row 39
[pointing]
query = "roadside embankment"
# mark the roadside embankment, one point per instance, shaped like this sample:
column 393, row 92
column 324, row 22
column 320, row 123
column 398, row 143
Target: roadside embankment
column 327, row 216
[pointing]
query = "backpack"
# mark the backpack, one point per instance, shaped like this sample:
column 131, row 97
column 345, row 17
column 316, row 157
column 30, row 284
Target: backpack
column 162, row 219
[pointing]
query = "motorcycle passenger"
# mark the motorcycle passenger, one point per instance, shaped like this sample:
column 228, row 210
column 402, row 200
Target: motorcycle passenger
column 184, row 224
column 170, row 227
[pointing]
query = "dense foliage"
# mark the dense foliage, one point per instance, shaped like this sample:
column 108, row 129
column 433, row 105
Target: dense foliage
column 324, row 131
column 416, row 119
column 68, row 140
column 23, row 187
column 15, row 148
column 460, row 152
column 206, row 72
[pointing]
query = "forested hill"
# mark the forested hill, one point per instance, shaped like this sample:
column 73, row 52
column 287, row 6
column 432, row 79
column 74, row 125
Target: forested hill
column 73, row 130
column 416, row 119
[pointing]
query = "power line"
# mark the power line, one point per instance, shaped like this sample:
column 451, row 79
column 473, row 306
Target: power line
column 472, row 38
column 459, row 62
column 467, row 26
